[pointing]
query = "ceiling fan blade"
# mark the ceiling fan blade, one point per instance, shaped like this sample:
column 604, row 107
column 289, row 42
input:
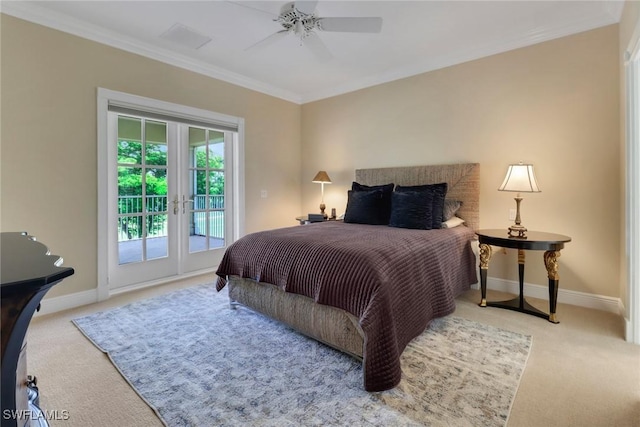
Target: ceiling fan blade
column 317, row 47
column 267, row 41
column 307, row 6
column 351, row 25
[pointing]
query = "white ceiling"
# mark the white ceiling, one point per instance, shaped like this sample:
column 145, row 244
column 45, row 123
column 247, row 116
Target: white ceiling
column 416, row 37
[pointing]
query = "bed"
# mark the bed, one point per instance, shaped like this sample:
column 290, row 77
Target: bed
column 317, row 279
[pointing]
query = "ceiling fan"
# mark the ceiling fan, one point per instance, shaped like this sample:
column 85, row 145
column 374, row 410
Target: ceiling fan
column 300, row 18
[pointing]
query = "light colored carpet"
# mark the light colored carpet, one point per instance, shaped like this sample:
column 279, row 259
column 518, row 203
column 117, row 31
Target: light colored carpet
column 580, row 372
column 199, row 363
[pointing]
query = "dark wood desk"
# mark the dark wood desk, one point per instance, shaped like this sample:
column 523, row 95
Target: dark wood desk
column 535, row 240
column 27, row 272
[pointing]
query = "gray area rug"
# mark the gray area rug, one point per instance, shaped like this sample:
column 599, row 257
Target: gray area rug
column 196, row 362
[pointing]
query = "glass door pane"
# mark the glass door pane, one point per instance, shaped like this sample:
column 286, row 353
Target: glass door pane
column 142, row 190
column 155, row 164
column 206, row 189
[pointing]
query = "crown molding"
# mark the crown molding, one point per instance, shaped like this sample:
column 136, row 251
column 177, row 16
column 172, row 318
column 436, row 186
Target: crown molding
column 614, row 8
column 611, row 13
column 31, row 12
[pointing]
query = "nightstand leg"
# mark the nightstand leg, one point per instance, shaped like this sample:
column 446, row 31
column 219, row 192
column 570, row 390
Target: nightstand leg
column 521, row 276
column 485, row 256
column 551, row 262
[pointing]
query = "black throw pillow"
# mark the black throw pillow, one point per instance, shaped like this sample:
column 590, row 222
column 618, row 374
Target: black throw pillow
column 439, row 192
column 411, row 209
column 387, row 188
column 368, row 207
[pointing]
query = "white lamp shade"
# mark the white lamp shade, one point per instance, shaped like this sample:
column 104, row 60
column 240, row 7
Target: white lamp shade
column 520, row 178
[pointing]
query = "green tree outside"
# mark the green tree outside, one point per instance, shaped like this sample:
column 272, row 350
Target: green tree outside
column 130, row 181
column 130, row 184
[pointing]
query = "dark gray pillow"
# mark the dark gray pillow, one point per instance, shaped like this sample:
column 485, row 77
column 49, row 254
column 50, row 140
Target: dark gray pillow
column 439, row 191
column 388, row 188
column 450, row 208
column 368, row 207
column 411, row 209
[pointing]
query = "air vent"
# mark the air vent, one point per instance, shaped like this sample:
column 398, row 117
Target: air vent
column 185, row 36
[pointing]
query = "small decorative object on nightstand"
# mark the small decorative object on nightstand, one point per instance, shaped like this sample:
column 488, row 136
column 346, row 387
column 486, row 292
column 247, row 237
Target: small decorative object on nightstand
column 303, row 220
column 521, row 179
column 322, row 178
column 310, row 218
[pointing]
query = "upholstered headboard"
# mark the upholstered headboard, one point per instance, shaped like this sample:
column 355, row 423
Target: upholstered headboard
column 463, row 181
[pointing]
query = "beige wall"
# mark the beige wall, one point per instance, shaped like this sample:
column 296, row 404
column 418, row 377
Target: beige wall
column 555, row 104
column 48, row 152
column 629, row 21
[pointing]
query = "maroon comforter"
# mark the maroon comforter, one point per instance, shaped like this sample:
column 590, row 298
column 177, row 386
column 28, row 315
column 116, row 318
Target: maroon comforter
column 394, row 280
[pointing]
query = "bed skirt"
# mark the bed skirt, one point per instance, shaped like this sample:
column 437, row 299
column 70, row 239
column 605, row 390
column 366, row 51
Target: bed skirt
column 329, row 325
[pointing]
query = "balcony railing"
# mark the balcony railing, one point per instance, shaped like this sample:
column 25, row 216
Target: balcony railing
column 130, row 213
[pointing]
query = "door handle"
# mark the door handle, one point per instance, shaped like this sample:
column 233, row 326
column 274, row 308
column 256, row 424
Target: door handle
column 184, row 202
column 176, row 203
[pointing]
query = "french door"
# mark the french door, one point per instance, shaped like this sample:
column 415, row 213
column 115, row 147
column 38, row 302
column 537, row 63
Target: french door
column 171, row 194
column 205, row 194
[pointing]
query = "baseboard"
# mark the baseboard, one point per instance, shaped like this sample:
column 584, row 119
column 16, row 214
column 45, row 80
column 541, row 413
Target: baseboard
column 631, row 334
column 565, row 296
column 78, row 299
column 161, row 281
column 65, row 302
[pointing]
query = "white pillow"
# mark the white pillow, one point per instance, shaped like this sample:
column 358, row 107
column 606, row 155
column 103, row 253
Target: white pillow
column 453, row 222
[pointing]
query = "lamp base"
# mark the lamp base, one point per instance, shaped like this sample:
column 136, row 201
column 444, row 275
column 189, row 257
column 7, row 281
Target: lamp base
column 517, row 230
column 322, row 208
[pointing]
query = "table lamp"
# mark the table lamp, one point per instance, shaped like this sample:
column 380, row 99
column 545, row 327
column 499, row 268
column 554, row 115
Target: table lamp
column 521, row 179
column 322, row 178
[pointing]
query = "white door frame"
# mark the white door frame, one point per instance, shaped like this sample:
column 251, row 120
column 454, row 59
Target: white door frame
column 632, row 194
column 104, row 96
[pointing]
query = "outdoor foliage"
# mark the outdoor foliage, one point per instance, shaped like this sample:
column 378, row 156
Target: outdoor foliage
column 130, row 178
column 130, row 182
column 216, row 181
